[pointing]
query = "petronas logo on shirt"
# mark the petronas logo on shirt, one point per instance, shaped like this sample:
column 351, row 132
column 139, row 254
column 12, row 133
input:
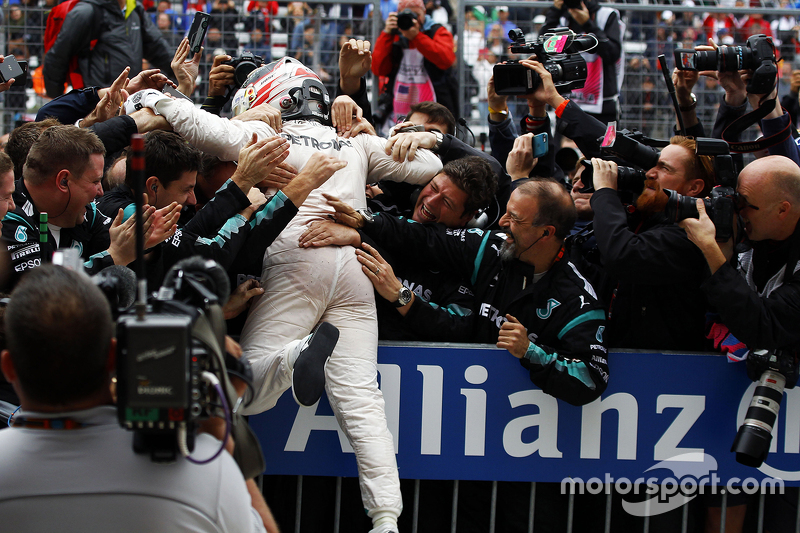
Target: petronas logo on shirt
column 545, row 313
column 21, row 235
column 599, row 336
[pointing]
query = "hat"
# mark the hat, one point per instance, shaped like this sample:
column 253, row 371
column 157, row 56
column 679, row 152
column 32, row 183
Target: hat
column 502, row 8
column 410, row 4
column 667, row 15
column 539, row 19
column 688, row 3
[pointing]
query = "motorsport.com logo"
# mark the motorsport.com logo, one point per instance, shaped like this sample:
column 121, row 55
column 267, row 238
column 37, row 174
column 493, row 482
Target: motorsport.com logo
column 694, row 474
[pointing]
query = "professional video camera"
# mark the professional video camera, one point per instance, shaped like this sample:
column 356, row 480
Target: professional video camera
column 170, row 362
column 758, row 54
column 243, row 65
column 559, row 52
column 774, row 370
column 722, row 204
column 629, row 146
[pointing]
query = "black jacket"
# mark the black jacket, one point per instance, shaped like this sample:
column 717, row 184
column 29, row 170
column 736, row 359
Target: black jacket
column 658, row 302
column 21, row 236
column 121, row 42
column 564, row 319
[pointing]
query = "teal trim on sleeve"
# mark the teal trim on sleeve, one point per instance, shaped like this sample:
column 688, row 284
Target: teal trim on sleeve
column 89, row 263
column 575, row 368
column 479, row 258
column 597, row 314
column 453, row 309
column 268, row 211
column 231, row 226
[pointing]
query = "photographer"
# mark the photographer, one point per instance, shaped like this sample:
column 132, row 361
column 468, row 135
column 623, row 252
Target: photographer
column 416, row 59
column 67, row 453
column 600, row 95
column 760, row 303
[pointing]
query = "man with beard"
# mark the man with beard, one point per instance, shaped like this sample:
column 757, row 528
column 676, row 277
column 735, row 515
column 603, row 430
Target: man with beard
column 657, row 303
column 530, row 298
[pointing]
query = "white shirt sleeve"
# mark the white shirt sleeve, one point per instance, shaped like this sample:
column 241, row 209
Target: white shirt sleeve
column 382, row 167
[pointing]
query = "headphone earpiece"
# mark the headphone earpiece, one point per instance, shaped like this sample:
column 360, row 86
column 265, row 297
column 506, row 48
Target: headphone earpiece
column 64, row 182
column 154, row 188
column 546, row 233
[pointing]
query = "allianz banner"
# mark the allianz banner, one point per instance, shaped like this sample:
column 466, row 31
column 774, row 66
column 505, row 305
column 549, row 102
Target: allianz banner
column 471, row 412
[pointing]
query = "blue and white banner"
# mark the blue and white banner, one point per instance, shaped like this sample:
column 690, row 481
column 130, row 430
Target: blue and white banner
column 471, row 412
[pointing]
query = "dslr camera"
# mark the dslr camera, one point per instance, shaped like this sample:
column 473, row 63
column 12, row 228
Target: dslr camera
column 405, row 19
column 774, row 370
column 243, row 65
column 758, row 54
column 632, row 147
column 559, row 52
column 723, row 202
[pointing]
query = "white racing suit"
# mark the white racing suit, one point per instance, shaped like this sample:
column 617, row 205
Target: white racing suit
column 304, row 286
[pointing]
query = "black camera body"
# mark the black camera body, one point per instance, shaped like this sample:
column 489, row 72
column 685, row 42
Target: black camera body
column 723, row 201
column 629, row 179
column 243, row 65
column 164, row 355
column 758, row 54
column 558, row 51
column 774, row 371
column 405, row 19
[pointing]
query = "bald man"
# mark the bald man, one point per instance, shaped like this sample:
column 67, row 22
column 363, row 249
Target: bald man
column 760, row 304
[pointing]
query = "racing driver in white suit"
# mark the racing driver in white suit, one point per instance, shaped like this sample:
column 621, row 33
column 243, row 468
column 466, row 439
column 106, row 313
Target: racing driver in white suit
column 306, row 286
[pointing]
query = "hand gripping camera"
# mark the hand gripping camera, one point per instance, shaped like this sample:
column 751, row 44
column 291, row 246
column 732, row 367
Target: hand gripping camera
column 557, row 50
column 758, row 55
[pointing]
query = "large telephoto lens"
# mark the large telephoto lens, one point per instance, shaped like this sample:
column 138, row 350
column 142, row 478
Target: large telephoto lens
column 755, row 434
column 730, row 59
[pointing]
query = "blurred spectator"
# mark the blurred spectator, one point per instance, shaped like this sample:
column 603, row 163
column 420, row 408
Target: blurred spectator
column 224, row 15
column 259, row 44
column 417, row 63
column 387, row 7
column 501, row 18
column 714, row 23
column 473, row 40
column 482, row 72
column 437, row 12
column 122, row 41
column 497, row 41
column 164, row 24
column 605, row 63
column 785, row 29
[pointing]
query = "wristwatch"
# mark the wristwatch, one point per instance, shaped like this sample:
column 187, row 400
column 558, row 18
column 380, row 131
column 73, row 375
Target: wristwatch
column 439, row 141
column 404, row 297
column 690, row 106
column 366, row 216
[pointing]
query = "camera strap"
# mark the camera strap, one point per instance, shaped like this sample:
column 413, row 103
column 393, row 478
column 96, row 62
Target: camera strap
column 742, row 123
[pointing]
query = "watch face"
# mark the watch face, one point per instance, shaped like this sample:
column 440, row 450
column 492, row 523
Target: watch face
column 405, row 297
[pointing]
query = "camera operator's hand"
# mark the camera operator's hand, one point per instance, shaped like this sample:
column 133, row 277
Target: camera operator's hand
column 604, row 174
column 581, row 16
column 703, row 234
column 345, row 214
column 497, row 102
column 520, row 160
column 220, row 76
column 186, row 71
column 391, row 23
column 403, row 146
column 264, row 113
column 343, row 112
column 757, row 100
column 546, row 91
column 329, row 233
column 258, row 159
column 684, row 81
column 513, row 337
column 731, row 82
column 355, row 60
column 240, row 299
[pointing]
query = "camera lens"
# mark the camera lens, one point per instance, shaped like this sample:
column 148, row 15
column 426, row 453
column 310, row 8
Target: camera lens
column 630, row 179
column 755, row 434
column 730, row 59
column 705, row 60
